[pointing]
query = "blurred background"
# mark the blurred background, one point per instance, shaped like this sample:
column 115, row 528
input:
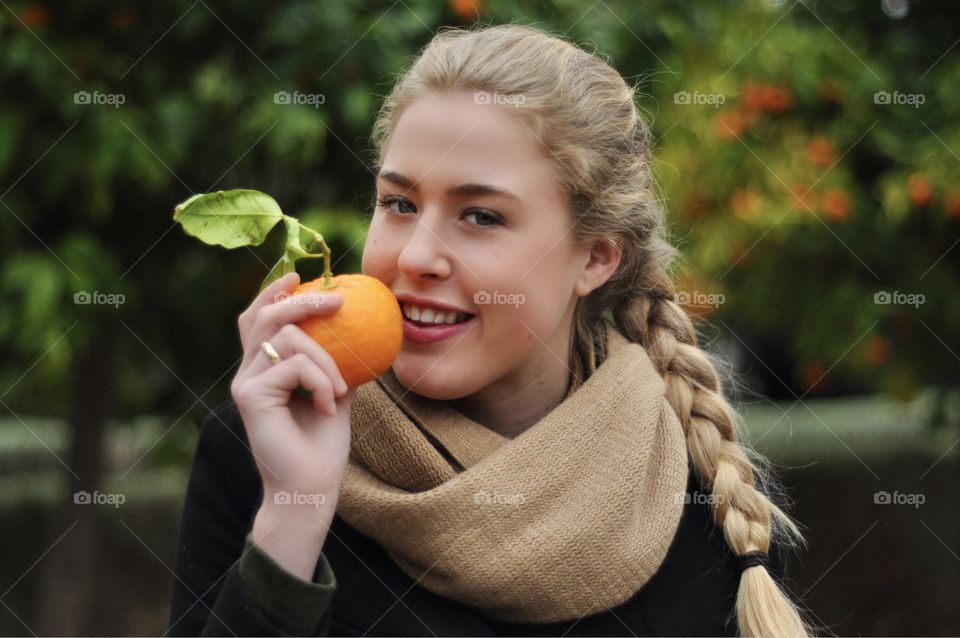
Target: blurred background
column 808, row 154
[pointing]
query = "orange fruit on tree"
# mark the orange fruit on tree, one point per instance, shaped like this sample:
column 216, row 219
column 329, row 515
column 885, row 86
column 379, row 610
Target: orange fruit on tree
column 920, row 189
column 837, row 204
column 365, row 334
column 821, row 151
column 466, row 9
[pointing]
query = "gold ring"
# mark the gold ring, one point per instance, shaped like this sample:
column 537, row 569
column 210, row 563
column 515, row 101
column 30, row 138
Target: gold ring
column 271, row 352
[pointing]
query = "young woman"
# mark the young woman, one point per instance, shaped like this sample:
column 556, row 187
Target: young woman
column 557, row 459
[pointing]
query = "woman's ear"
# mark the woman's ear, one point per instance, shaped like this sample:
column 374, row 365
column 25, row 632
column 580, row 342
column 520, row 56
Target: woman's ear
column 602, row 262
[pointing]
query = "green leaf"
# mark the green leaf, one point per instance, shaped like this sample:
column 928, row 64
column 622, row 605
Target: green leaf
column 294, row 250
column 233, row 218
column 282, row 267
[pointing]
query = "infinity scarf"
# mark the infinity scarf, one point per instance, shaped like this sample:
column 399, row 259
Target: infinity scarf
column 568, row 519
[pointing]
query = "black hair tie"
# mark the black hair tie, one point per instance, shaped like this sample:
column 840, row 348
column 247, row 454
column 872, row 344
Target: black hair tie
column 750, row 559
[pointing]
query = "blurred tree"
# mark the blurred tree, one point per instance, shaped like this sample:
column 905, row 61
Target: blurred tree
column 813, row 170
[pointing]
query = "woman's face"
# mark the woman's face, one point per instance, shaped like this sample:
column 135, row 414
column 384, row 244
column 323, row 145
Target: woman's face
column 470, row 214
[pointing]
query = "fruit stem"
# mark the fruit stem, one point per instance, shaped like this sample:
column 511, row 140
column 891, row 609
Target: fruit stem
column 325, row 250
column 327, row 272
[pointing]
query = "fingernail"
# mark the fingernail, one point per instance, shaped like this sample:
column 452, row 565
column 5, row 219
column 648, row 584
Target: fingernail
column 342, row 386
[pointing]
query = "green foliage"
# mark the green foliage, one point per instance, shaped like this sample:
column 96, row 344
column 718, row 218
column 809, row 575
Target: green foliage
column 801, row 190
column 798, row 198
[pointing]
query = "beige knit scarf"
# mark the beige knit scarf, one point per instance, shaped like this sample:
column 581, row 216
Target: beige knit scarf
column 568, row 519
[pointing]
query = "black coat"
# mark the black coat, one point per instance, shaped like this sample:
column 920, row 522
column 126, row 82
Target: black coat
column 692, row 593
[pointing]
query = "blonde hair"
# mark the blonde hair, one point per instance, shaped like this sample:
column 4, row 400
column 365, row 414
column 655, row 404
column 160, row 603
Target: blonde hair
column 584, row 115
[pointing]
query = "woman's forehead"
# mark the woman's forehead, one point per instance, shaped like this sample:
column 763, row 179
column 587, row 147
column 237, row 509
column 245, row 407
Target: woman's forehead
column 444, row 140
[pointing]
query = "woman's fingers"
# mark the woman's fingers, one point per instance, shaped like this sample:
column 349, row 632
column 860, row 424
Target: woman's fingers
column 293, row 309
column 278, row 381
column 290, row 340
column 272, row 317
column 267, row 296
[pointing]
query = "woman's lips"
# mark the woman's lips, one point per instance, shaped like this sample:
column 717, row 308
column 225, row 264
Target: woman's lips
column 431, row 334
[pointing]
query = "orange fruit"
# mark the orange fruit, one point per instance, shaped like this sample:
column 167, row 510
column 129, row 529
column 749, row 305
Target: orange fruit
column 777, row 99
column 730, row 124
column 821, row 151
column 772, row 98
column 466, row 9
column 365, row 334
column 836, row 204
column 920, row 189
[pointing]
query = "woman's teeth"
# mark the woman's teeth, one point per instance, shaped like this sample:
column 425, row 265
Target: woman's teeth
column 429, row 315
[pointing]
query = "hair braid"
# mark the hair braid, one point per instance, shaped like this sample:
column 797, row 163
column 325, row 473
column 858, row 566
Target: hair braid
column 740, row 509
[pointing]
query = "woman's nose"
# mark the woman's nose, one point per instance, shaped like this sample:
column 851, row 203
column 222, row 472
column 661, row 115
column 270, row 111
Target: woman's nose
column 425, row 253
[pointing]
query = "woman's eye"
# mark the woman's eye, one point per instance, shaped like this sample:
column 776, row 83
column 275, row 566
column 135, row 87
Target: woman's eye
column 388, row 202
column 484, row 218
column 492, row 220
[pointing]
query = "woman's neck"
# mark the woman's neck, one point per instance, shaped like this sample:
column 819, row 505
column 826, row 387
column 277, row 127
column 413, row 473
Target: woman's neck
column 510, row 407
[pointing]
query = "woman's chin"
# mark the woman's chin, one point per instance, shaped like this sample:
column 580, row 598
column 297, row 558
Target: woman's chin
column 432, row 383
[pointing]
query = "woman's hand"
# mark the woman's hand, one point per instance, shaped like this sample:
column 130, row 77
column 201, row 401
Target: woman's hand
column 300, row 445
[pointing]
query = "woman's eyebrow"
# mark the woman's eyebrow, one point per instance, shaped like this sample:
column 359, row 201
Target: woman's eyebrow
column 463, row 190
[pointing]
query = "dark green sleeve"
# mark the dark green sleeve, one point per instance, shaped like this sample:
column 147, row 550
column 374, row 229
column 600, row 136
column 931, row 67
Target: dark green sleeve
column 286, row 599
